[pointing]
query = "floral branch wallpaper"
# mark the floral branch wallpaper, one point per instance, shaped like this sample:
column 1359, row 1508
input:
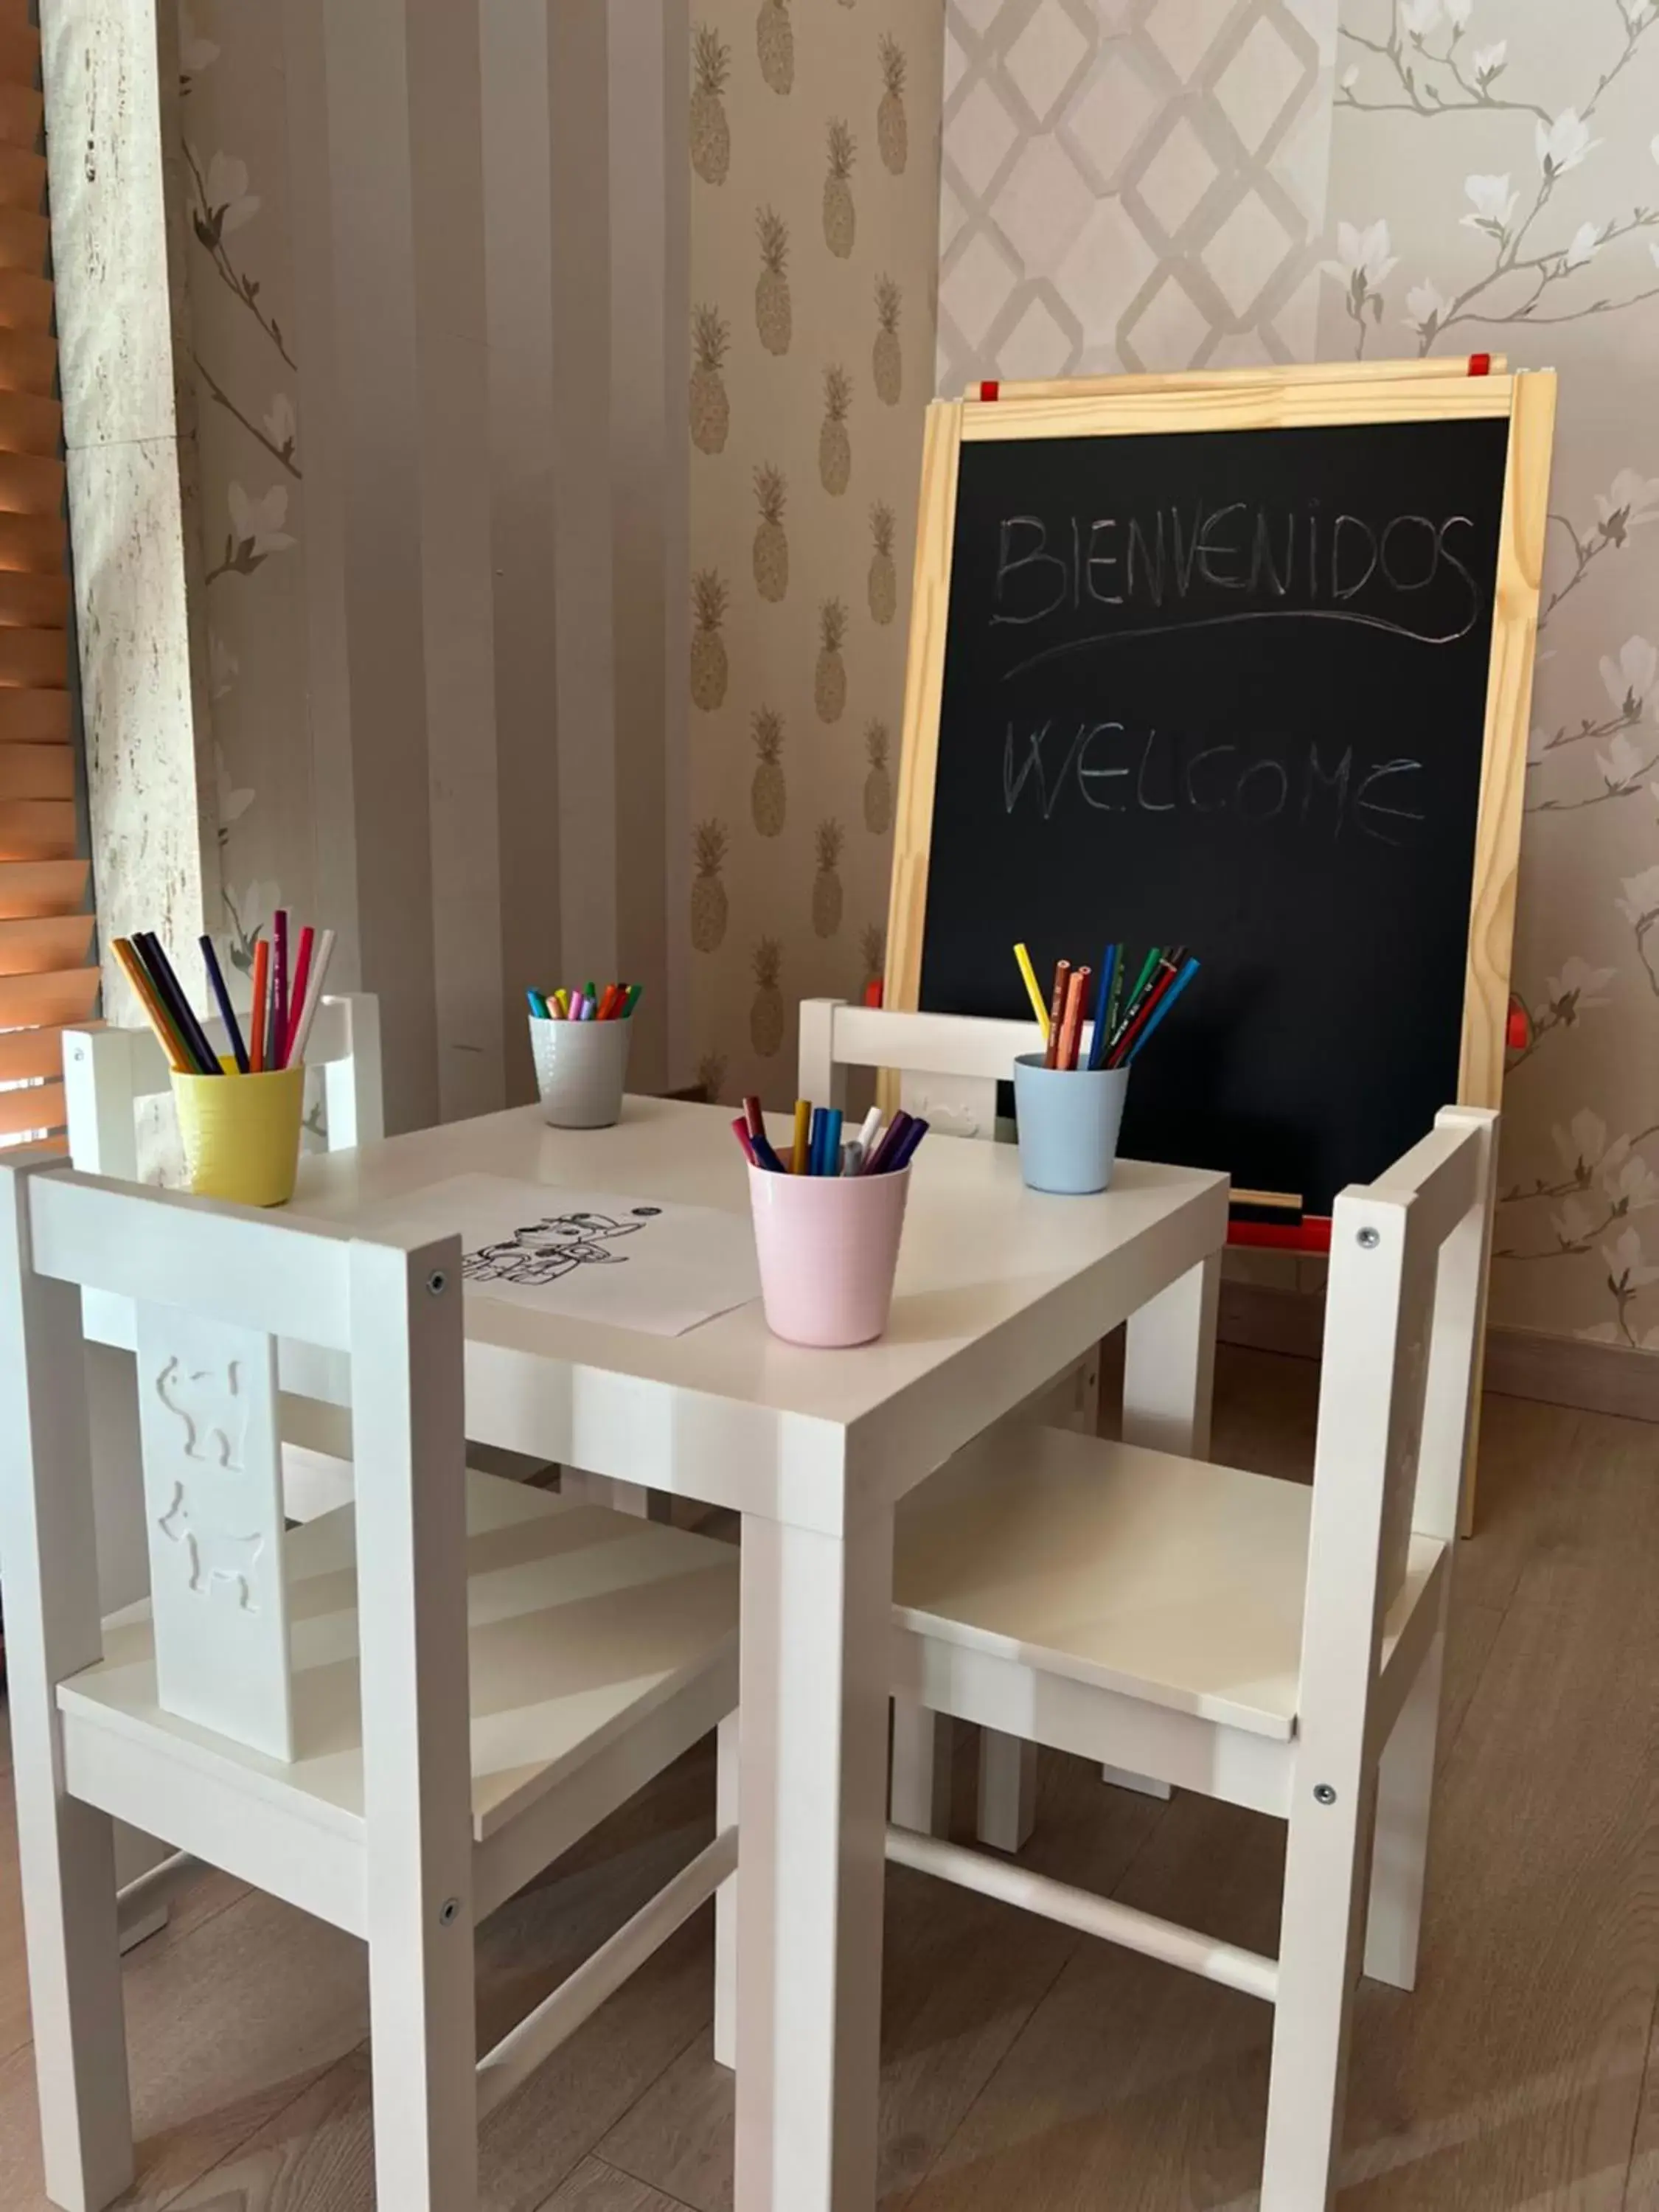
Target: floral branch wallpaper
column 814, row 148
column 245, row 376
column 1495, row 184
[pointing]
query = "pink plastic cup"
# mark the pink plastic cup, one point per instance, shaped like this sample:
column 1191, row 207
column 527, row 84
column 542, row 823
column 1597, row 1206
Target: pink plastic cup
column 829, row 1250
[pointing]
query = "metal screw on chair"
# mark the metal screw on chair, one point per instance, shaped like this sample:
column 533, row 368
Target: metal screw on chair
column 1369, row 1239
column 449, row 1911
column 1323, row 1793
column 437, row 1282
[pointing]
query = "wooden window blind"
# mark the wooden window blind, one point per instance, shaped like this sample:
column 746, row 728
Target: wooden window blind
column 48, row 978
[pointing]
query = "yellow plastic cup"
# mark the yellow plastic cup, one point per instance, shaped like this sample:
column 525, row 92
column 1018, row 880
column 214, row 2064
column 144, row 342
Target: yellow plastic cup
column 241, row 1132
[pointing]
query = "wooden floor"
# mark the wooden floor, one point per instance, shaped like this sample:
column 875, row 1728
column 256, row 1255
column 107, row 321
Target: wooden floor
column 1027, row 2069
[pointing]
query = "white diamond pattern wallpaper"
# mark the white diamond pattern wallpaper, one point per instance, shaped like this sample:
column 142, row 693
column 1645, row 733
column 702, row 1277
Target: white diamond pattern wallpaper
column 1131, row 184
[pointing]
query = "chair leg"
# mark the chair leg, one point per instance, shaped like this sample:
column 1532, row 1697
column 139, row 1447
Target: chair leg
column 1007, row 1791
column 423, row 2049
column 920, row 1793
column 68, row 1865
column 725, row 1898
column 1318, row 1968
column 1399, row 1855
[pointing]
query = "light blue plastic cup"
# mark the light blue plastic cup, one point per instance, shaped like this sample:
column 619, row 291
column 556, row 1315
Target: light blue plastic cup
column 1068, row 1123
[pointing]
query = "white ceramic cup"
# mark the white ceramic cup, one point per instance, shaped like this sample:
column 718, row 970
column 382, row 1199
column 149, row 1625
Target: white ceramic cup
column 581, row 1068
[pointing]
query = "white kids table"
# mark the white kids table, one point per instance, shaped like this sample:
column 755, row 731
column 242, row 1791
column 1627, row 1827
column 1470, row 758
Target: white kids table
column 999, row 1289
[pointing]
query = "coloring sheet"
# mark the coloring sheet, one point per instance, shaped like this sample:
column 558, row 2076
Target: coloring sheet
column 591, row 1255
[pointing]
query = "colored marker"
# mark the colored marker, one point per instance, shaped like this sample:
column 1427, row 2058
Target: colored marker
column 907, row 1150
column 879, row 1161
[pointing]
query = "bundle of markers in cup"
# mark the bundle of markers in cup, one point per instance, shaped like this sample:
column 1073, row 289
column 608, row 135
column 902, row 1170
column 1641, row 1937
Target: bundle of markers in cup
column 819, row 1147
column 1122, row 1021
column 615, row 1003
column 287, row 993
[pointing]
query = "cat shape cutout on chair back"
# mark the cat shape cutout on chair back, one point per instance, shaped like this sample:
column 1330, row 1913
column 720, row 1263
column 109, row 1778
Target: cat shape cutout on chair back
column 213, row 1507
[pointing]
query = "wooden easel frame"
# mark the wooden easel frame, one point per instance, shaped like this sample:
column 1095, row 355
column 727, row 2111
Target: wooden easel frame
column 1290, row 398
column 1435, row 369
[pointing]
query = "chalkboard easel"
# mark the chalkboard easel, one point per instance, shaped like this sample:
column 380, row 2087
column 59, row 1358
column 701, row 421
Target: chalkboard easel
column 1243, row 662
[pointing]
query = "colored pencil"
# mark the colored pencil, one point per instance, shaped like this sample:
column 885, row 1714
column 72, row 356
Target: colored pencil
column 171, row 993
column 1119, row 968
column 161, row 1021
column 1132, row 1004
column 261, row 985
column 1108, row 970
column 296, row 1006
column 801, row 1154
column 1057, row 1012
column 1027, row 976
column 276, row 1042
column 227, row 1011
column 1189, row 968
column 1164, row 974
column 314, row 989
column 1070, row 1023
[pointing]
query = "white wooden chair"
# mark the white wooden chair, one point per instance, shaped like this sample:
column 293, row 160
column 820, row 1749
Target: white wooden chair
column 1272, row 1645
column 110, row 1074
column 948, row 1067
column 292, row 1706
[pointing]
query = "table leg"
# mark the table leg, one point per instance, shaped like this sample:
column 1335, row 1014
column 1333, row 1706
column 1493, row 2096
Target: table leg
column 1169, row 1376
column 812, row 1822
column 1169, row 1369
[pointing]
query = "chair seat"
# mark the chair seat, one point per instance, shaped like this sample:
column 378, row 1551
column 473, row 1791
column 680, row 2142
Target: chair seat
column 1163, row 1578
column 581, row 1622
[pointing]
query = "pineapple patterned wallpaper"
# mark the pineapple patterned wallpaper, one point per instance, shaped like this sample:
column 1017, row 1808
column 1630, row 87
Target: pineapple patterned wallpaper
column 814, row 134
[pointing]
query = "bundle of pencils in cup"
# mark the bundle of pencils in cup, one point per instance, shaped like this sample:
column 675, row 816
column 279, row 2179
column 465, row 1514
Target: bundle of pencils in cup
column 1122, row 1021
column 286, row 996
column 613, row 1004
column 820, row 1149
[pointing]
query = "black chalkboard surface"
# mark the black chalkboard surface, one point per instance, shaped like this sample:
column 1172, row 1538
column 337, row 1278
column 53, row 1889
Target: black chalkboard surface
column 1228, row 689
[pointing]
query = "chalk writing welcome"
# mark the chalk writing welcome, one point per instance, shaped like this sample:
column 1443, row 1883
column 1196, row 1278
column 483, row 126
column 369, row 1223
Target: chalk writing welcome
column 1114, row 768
column 1069, row 583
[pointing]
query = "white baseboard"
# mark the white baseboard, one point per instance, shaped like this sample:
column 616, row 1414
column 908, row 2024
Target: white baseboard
column 1521, row 1363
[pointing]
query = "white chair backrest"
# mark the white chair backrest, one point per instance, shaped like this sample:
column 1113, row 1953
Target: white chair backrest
column 213, row 1289
column 949, row 1063
column 108, row 1071
column 1403, row 1315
